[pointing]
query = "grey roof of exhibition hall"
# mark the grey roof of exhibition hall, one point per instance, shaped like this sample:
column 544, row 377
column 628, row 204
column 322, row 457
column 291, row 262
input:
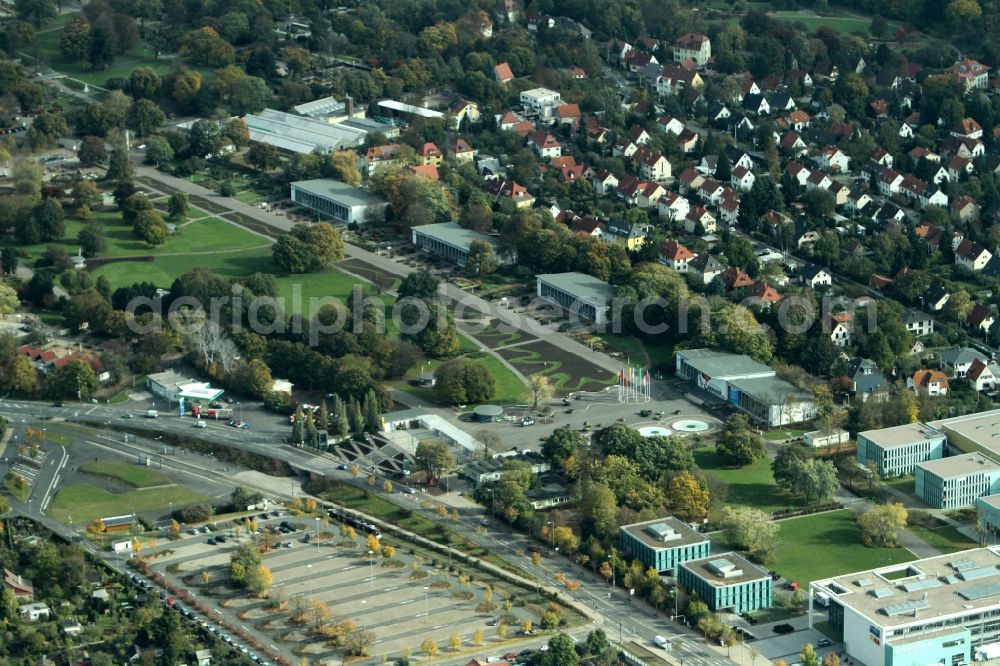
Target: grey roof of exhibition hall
column 581, row 286
column 770, row 390
column 454, row 234
column 299, row 133
column 723, row 364
column 338, row 191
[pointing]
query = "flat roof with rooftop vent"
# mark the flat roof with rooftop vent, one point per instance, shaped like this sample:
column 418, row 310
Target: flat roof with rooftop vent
column 723, row 568
column 662, row 532
column 906, row 607
column 980, row 591
column 882, row 592
column 977, row 573
column 917, row 585
column 864, row 582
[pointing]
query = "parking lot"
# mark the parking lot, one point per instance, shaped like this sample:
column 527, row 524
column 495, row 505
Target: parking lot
column 333, row 588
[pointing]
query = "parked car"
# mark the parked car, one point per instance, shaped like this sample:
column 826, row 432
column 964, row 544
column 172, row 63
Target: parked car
column 824, row 642
column 200, row 424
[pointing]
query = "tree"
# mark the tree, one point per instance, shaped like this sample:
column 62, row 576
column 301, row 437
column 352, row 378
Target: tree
column 150, row 227
column 344, row 167
column 599, row 509
column 262, row 156
column 429, row 647
column 723, row 169
column 249, row 94
column 541, row 388
column 76, row 379
column 750, row 529
column 654, row 455
column 8, row 299
column 158, row 151
column 481, row 259
column 561, row 652
column 477, row 637
column 92, row 151
column 808, row 655
column 688, row 496
column 85, row 193
column 74, row 42
column 459, row 382
column 49, row 218
column 35, row 12
column 421, row 284
column 120, row 166
column 205, row 138
column 205, row 47
column 736, row 445
column 812, row 478
column 177, row 205
column 308, row 248
column 92, row 239
column 434, row 458
column 562, row 446
column 880, row 524
column 145, row 117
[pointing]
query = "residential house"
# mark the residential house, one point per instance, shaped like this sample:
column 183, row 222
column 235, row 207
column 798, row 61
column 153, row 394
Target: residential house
column 834, row 159
column 980, row 318
column 780, row 101
column 465, row 109
column 636, row 60
column 918, row 323
column 972, row 255
column 577, row 73
column 798, row 120
column 965, row 209
column 739, row 158
column 674, row 80
column 70, row 628
column 742, row 179
column 377, row 157
column 807, row 238
column 509, row 190
column 429, row 155
column 687, row 141
column 672, row 206
column 798, row 172
column 957, row 360
column 568, row 114
column 866, row 379
column 705, row 268
column 604, row 182
column 717, row 112
column 841, row 324
column 693, row 46
column 34, row 612
column 650, row 193
column 540, row 102
column 710, row 191
column 424, row 170
column 652, row 164
column 502, row 73
column 888, row 181
column 815, row 276
column 881, row 158
column 675, row 255
column 793, row 144
column 756, row 104
column 638, row 135
column 818, row 180
column 735, row 278
column 616, row 49
column 969, row 74
column 461, row 151
column 544, row 144
column 508, row 11
column 670, row 125
column 690, row 180
column 967, row 128
column 936, row 297
column 700, row 221
column 22, row 588
column 983, row 375
column 762, row 294
column 633, row 235
column 928, row 382
column 729, row 210
column 623, row 148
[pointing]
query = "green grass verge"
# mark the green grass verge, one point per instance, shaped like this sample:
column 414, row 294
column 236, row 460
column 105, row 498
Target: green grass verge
column 845, row 24
column 946, row 539
column 20, row 494
column 138, row 477
column 752, row 485
column 85, row 503
column 162, row 271
column 783, row 434
column 827, row 544
column 904, row 484
column 509, row 386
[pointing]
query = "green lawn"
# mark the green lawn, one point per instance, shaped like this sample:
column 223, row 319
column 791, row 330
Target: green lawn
column 947, row 539
column 509, row 387
column 85, row 503
column 21, row 494
column 846, row 24
column 163, row 270
column 299, row 290
column 904, row 484
column 752, row 485
column 134, row 475
column 827, row 544
column 782, row 434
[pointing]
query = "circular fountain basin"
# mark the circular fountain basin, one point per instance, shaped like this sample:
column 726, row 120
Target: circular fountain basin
column 655, row 431
column 690, row 425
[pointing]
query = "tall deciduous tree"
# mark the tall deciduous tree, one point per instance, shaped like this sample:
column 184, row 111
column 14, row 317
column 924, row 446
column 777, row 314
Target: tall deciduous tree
column 880, row 525
column 688, row 496
column 737, row 445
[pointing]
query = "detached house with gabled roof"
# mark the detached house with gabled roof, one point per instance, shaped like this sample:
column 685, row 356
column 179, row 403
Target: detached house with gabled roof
column 983, row 375
column 705, row 268
column 742, row 179
column 652, row 165
column 735, row 277
column 965, row 209
column 675, row 255
column 461, row 151
column 604, row 182
column 815, row 276
column 693, row 46
column 672, row 206
column 429, row 155
column 970, row 74
column 21, row 588
column 980, row 318
column 967, row 128
column 502, row 73
column 763, row 294
column 834, row 159
column 929, row 382
column 972, row 255
column 670, row 125
column 699, row 217
column 544, row 144
column 867, row 381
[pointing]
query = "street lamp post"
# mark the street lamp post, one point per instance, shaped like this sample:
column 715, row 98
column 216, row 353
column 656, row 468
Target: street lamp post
column 317, row 533
column 309, row 574
column 552, row 533
column 426, row 614
column 364, row 615
column 371, row 568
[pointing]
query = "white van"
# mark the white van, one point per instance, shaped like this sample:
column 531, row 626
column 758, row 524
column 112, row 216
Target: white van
column 660, row 641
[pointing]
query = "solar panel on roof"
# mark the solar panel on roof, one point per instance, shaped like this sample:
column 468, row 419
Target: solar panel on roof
column 980, row 591
column 917, row 585
column 882, row 592
column 905, row 607
column 976, row 574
